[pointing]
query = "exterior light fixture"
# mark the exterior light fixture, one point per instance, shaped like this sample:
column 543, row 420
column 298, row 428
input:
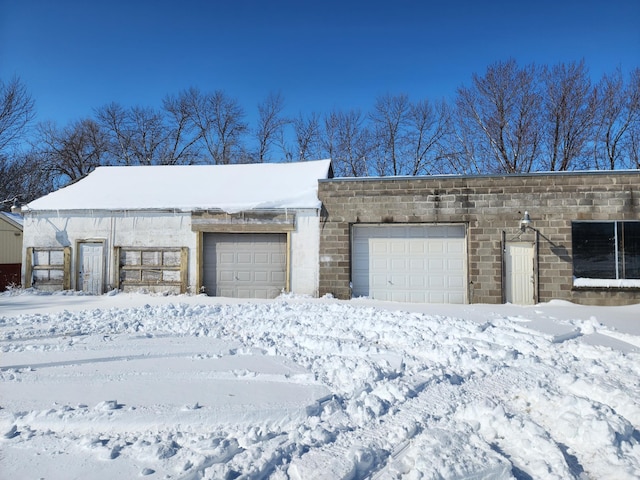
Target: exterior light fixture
column 16, row 208
column 525, row 222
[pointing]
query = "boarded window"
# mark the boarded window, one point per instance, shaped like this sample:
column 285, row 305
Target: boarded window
column 153, row 267
column 48, row 268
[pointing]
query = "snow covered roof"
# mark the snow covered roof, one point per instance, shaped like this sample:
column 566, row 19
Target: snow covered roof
column 13, row 218
column 230, row 188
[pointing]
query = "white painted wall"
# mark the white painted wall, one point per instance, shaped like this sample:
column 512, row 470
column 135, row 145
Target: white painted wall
column 162, row 229
column 305, row 251
column 48, row 229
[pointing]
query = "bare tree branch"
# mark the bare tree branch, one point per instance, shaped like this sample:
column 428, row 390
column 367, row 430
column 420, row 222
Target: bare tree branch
column 618, row 111
column 270, row 124
column 348, row 143
column 570, row 113
column 390, row 119
column 219, row 119
column 498, row 114
column 307, row 134
column 17, row 110
column 69, row 154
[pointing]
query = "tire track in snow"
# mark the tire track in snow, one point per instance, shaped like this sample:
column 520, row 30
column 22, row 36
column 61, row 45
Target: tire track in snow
column 83, row 361
column 593, row 429
column 355, row 452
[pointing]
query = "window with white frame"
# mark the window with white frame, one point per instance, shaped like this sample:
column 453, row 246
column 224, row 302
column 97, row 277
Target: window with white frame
column 606, row 254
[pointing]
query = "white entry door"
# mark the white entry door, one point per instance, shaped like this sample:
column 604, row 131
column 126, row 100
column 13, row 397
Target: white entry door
column 519, row 273
column 91, row 268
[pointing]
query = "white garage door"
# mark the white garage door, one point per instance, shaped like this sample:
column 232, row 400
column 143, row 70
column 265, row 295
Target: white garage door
column 410, row 263
column 244, row 265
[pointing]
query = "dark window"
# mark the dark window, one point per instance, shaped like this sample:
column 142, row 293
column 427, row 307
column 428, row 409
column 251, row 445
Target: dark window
column 630, row 249
column 607, row 250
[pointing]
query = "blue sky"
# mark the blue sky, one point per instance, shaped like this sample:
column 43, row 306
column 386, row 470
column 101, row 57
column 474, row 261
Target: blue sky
column 76, row 55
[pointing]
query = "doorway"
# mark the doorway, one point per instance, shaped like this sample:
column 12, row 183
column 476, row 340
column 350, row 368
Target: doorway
column 90, row 277
column 520, row 280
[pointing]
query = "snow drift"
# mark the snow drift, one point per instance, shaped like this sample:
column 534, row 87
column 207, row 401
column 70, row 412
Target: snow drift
column 192, row 387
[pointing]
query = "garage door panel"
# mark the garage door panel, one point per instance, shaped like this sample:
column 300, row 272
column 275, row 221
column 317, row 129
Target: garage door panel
column 226, row 275
column 278, row 277
column 399, row 247
column 435, row 265
column 380, row 264
column 416, row 264
column 398, row 263
column 397, row 297
column 246, row 293
column 417, row 248
column 410, row 263
column 227, row 258
column 378, row 280
column 417, row 281
column 245, row 258
column 416, row 297
column 244, row 277
column 438, row 297
column 378, row 247
column 398, row 281
column 435, row 247
column 455, row 247
column 456, row 264
column 261, row 258
column 244, row 265
column 456, row 298
column 278, row 258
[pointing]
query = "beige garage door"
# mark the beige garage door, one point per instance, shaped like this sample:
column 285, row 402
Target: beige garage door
column 410, row 263
column 244, row 265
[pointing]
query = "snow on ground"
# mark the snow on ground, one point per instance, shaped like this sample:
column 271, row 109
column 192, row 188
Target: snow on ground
column 191, row 387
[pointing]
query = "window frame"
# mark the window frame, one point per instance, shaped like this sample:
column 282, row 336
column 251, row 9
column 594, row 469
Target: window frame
column 617, row 260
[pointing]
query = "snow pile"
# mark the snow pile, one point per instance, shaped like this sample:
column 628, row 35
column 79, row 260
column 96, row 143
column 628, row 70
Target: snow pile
column 204, row 388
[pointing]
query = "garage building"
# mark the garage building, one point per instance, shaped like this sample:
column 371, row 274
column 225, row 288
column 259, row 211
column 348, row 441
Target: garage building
column 249, row 230
column 519, row 238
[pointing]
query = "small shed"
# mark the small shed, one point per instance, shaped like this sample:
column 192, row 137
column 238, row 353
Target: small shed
column 10, row 249
column 249, row 230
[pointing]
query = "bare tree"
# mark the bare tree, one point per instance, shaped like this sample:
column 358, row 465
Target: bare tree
column 219, row 119
column 390, row 118
column 183, row 136
column 462, row 158
column 69, row 154
column 17, row 110
column 136, row 136
column 149, row 136
column 428, row 125
column 114, row 120
column 632, row 146
column 348, row 143
column 307, row 134
column 618, row 111
column 23, row 178
column 9, row 181
column 570, row 111
column 498, row 119
column 271, row 123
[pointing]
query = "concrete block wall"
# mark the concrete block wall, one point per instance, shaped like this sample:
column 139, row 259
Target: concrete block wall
column 488, row 206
